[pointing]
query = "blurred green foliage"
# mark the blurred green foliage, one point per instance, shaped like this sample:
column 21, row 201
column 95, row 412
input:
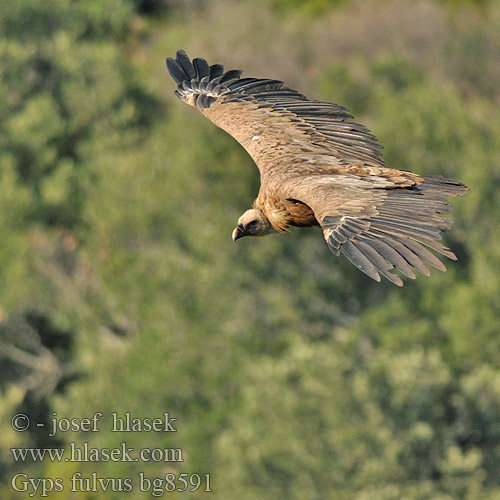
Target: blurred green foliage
column 64, row 81
column 291, row 374
column 306, row 7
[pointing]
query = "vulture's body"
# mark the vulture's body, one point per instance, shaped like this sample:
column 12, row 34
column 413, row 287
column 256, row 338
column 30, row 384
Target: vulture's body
column 318, row 168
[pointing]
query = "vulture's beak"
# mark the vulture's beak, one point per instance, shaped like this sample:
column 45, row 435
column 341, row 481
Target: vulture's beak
column 238, row 232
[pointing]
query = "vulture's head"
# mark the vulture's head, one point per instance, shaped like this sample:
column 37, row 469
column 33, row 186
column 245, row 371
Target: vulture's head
column 252, row 223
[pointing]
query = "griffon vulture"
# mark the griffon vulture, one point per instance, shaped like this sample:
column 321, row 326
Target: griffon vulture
column 318, row 168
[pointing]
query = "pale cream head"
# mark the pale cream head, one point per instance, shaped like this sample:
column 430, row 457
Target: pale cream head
column 252, row 223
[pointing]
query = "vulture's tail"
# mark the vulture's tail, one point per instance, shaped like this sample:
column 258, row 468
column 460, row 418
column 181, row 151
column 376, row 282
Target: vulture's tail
column 436, row 185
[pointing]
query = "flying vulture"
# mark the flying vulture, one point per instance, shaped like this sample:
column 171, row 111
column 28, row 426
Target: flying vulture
column 318, row 168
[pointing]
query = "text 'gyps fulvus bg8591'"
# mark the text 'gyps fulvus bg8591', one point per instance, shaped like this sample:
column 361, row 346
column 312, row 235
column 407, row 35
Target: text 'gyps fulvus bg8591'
column 318, row 168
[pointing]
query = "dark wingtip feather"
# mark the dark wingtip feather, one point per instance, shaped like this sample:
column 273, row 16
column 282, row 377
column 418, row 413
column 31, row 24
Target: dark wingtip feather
column 185, row 63
column 359, row 260
column 216, row 70
column 382, row 265
column 231, row 75
column 175, row 70
column 202, row 68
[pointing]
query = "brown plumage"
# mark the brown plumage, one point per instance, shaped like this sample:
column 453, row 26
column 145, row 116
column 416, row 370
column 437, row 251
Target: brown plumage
column 318, row 168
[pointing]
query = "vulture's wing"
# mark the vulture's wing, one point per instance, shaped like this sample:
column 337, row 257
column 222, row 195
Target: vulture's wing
column 272, row 122
column 381, row 229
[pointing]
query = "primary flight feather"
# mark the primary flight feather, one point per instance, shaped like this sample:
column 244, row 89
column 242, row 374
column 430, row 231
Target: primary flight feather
column 318, row 168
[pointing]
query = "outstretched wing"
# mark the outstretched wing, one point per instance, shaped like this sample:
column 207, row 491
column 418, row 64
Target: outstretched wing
column 382, row 229
column 274, row 123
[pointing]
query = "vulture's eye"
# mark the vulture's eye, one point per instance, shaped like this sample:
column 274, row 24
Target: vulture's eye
column 252, row 223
